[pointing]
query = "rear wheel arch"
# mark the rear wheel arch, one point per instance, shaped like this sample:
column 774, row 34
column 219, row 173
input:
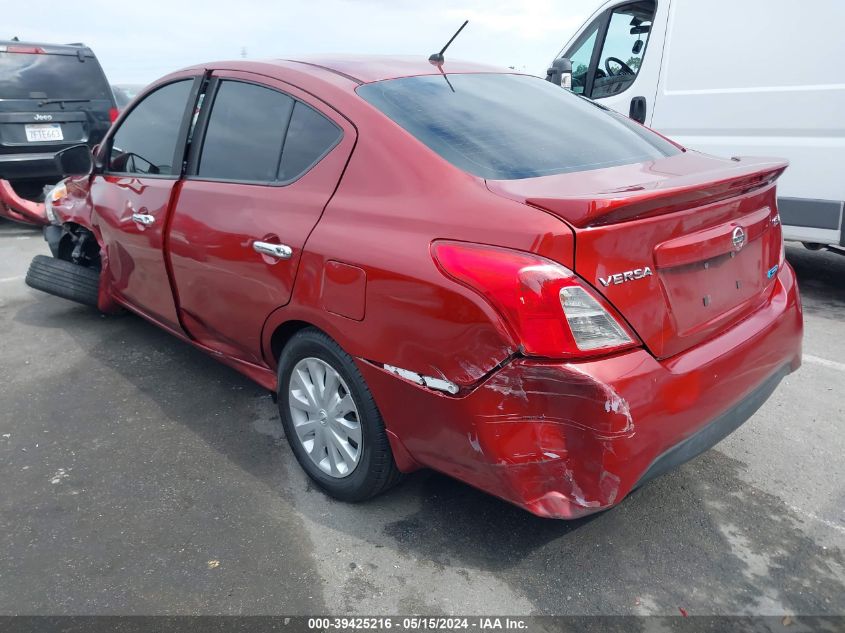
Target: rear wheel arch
column 283, row 333
column 285, row 321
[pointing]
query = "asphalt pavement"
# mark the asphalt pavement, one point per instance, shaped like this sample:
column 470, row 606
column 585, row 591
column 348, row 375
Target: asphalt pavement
column 140, row 476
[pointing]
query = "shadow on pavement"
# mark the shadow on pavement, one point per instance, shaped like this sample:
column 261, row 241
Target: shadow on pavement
column 821, row 277
column 699, row 538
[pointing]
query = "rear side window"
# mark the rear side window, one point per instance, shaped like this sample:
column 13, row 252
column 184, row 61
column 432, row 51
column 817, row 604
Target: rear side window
column 505, row 127
column 145, row 142
column 49, row 76
column 257, row 134
column 310, row 136
column 245, row 133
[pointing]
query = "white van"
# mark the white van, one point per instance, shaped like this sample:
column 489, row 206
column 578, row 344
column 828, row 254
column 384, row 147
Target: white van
column 731, row 77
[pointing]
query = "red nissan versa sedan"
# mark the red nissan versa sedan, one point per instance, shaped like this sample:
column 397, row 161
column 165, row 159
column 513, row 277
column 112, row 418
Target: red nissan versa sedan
column 440, row 265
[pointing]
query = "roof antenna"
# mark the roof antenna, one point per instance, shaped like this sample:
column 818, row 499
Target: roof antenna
column 440, row 68
column 437, row 58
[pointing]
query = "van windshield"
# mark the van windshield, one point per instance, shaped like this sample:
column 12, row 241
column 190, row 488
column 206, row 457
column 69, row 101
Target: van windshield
column 46, row 76
column 506, row 127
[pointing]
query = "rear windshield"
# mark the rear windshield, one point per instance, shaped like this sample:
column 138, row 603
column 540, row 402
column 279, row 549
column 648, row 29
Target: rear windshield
column 44, row 76
column 505, row 127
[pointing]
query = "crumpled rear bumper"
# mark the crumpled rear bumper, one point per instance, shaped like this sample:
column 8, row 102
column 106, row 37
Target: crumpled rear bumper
column 568, row 439
column 13, row 207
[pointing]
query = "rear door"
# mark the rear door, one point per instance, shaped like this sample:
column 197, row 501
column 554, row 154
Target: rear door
column 50, row 100
column 132, row 196
column 265, row 160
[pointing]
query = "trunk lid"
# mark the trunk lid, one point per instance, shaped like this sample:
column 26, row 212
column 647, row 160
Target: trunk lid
column 683, row 247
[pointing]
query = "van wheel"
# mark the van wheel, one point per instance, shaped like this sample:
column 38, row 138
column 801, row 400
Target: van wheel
column 331, row 421
column 64, row 279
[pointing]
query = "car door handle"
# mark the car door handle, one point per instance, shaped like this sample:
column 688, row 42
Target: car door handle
column 143, row 218
column 279, row 251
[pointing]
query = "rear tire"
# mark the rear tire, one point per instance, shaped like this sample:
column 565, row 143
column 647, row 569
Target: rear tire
column 64, row 279
column 374, row 470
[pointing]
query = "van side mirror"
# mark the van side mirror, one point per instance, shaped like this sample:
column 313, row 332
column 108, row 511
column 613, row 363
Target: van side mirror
column 75, row 161
column 561, row 73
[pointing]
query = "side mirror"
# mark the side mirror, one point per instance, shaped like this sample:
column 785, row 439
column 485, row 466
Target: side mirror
column 561, row 73
column 75, row 161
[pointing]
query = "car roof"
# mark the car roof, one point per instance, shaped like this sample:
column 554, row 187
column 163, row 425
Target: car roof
column 334, row 78
column 359, row 69
column 369, row 68
column 50, row 49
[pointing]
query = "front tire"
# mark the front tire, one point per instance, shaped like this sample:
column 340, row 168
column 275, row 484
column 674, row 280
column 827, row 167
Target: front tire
column 331, row 421
column 64, row 279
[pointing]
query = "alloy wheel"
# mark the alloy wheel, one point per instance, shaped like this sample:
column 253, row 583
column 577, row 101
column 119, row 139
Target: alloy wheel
column 325, row 417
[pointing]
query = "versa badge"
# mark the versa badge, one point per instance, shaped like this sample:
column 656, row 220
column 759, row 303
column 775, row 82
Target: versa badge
column 628, row 275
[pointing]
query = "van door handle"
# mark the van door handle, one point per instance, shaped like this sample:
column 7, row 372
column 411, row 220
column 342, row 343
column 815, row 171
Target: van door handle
column 143, row 218
column 637, row 111
column 279, row 251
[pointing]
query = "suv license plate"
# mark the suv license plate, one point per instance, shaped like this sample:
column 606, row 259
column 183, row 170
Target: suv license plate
column 44, row 132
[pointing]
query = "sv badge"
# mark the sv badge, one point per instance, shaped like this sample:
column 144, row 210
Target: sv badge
column 628, row 275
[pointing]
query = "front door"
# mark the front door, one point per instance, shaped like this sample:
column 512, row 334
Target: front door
column 132, row 196
column 609, row 62
column 265, row 160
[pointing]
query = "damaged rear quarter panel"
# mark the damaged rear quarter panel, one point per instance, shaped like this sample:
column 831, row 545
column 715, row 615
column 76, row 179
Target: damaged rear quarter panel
column 541, row 436
column 568, row 439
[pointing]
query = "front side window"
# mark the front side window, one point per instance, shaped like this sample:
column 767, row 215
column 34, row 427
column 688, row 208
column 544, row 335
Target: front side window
column 145, row 143
column 501, row 126
column 623, row 48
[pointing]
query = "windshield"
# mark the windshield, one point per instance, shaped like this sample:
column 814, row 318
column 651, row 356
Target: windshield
column 44, row 76
column 505, row 127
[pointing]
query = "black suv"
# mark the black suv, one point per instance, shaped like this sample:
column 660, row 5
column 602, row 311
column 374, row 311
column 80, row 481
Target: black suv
column 51, row 97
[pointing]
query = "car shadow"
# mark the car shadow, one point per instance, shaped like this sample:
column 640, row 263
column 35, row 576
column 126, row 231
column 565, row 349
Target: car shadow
column 821, row 277
column 700, row 538
column 10, row 228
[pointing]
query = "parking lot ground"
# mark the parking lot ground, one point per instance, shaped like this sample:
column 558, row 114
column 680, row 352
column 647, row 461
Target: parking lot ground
column 139, row 476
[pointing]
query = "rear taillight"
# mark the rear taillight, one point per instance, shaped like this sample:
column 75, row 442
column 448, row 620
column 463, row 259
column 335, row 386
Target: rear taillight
column 591, row 324
column 113, row 112
column 549, row 309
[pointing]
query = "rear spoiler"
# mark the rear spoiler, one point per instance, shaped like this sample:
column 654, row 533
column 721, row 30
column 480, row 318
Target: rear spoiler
column 665, row 196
